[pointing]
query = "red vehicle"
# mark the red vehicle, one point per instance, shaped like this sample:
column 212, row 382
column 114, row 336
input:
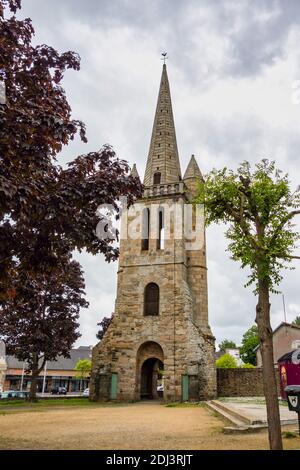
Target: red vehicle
column 289, row 370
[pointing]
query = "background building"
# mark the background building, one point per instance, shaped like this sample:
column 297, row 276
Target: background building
column 59, row 373
column 286, row 337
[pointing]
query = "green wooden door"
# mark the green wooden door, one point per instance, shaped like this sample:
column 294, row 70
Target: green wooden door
column 185, row 388
column 114, row 386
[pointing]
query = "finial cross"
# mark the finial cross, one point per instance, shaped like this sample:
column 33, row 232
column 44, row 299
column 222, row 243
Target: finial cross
column 164, row 54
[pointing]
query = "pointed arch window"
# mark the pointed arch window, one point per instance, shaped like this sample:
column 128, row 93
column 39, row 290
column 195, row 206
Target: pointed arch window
column 161, row 229
column 145, row 229
column 156, row 178
column 151, row 300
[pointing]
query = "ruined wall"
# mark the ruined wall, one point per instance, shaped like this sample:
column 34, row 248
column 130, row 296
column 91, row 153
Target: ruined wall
column 241, row 382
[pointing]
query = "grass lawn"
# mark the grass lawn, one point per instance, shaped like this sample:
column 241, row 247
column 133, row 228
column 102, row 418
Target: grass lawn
column 10, row 405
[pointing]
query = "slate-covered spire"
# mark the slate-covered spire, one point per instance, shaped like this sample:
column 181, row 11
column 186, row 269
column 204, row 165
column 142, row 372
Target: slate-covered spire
column 193, row 170
column 134, row 172
column 163, row 160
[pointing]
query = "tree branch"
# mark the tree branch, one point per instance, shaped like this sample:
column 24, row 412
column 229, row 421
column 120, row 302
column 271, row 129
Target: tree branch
column 246, row 192
column 238, row 217
column 284, row 221
column 293, row 213
column 42, row 365
column 288, row 257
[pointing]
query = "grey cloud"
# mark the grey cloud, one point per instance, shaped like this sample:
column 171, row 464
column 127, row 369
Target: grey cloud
column 253, row 43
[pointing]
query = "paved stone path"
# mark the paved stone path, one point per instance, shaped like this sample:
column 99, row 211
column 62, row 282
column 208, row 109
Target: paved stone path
column 258, row 411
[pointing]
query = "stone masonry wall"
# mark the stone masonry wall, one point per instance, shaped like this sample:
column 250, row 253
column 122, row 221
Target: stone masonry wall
column 241, row 382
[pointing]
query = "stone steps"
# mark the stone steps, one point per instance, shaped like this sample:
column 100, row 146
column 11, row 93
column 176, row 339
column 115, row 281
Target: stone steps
column 241, row 423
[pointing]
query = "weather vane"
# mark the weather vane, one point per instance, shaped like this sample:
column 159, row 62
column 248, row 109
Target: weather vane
column 164, row 54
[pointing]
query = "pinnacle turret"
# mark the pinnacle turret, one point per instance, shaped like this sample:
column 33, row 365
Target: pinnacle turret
column 134, row 172
column 193, row 170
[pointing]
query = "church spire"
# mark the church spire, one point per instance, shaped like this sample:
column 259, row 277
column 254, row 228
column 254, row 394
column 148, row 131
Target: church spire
column 163, row 160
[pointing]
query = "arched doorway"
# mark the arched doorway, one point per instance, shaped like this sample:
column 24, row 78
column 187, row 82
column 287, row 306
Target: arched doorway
column 151, row 379
column 149, row 371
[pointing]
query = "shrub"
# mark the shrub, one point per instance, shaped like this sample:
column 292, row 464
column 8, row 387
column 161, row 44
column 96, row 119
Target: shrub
column 226, row 362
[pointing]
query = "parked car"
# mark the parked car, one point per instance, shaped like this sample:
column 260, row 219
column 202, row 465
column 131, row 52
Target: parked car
column 7, row 394
column 86, row 392
column 59, row 391
column 21, row 394
column 13, row 394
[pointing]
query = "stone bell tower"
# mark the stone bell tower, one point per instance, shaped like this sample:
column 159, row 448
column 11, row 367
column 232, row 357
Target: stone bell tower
column 159, row 342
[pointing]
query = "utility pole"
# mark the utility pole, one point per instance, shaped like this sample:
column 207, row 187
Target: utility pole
column 22, row 377
column 44, row 378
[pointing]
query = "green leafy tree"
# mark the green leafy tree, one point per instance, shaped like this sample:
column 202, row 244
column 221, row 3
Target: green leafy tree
column 226, row 362
column 296, row 321
column 258, row 206
column 83, row 367
column 227, row 344
column 249, row 342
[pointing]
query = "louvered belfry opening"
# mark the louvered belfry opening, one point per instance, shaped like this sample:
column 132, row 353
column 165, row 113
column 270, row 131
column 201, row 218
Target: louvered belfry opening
column 157, row 178
column 151, row 300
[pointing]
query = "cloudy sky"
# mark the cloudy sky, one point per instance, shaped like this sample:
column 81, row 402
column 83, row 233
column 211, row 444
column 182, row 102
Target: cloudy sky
column 233, row 69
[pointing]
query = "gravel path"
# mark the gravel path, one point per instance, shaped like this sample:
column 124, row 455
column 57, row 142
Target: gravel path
column 134, row 426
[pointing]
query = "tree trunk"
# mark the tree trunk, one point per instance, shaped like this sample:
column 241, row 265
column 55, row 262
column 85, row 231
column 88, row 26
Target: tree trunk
column 269, row 377
column 35, row 371
column 34, row 376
